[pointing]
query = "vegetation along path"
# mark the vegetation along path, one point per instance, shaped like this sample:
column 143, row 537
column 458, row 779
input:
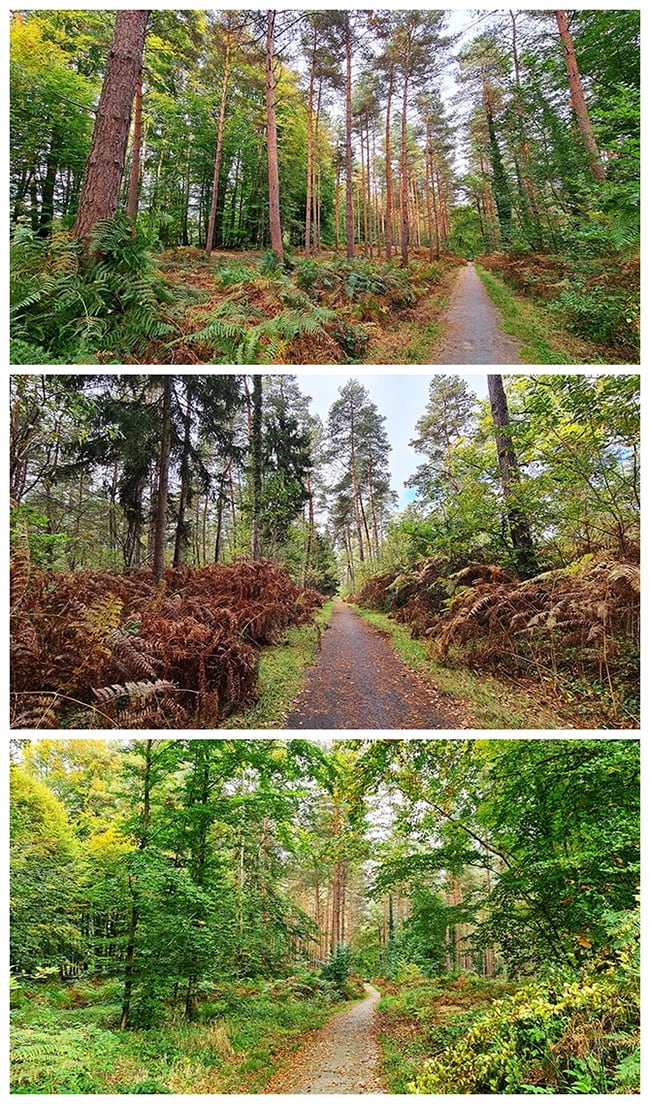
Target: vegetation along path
column 341, row 1057
column 359, row 682
column 474, row 334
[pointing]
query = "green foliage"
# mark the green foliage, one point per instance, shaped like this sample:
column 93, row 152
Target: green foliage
column 46, row 549
column 610, row 318
column 239, row 1034
column 75, row 310
column 573, row 1036
column 338, row 966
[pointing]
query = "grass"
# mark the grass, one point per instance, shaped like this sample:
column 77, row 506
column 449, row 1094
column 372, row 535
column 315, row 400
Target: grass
column 483, row 701
column 421, row 1018
column 543, row 341
column 247, row 1030
column 281, row 672
column 416, row 341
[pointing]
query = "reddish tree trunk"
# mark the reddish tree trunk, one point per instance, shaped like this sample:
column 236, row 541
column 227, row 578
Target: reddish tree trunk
column 136, row 150
column 577, row 98
column 272, row 142
column 217, row 160
column 105, row 166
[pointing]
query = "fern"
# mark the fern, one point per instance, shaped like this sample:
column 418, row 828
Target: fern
column 135, row 691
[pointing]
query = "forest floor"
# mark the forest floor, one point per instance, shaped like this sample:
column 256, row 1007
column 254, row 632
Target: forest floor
column 358, row 681
column 235, row 307
column 342, row 1057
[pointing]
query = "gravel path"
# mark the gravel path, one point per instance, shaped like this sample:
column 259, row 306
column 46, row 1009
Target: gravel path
column 359, row 682
column 342, row 1057
column 474, row 334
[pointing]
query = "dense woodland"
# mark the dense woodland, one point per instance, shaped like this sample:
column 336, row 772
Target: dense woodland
column 195, row 891
column 358, row 154
column 166, row 527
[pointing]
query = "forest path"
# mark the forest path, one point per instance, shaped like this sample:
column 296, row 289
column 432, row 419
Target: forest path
column 342, row 1057
column 474, row 334
column 358, row 681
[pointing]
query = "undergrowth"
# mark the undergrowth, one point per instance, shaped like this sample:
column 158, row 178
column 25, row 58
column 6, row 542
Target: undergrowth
column 109, row 307
column 565, row 1032
column 595, row 299
column 98, row 649
column 573, row 632
column 242, row 1030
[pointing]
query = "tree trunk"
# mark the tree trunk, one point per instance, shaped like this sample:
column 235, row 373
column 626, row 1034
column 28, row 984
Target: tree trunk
column 310, row 148
column 272, row 142
column 578, row 102
column 136, row 150
column 160, row 528
column 522, row 542
column 349, row 210
column 209, row 239
column 256, row 465
column 105, row 166
column 186, row 482
column 129, row 957
column 389, row 171
column 404, row 178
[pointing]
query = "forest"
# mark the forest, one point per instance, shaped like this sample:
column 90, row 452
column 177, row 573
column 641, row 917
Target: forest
column 177, row 542
column 184, row 910
column 305, row 187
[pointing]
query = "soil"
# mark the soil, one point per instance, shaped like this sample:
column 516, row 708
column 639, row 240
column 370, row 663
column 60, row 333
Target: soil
column 474, row 334
column 359, row 682
column 342, row 1057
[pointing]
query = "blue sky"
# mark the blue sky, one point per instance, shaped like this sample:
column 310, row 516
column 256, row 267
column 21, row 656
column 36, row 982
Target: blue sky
column 400, row 396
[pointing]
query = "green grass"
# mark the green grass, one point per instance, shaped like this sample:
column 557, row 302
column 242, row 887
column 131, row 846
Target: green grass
column 485, row 702
column 543, row 340
column 246, row 1031
column 281, row 672
column 419, row 349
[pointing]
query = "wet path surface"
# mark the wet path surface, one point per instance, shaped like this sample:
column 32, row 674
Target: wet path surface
column 342, row 1057
column 359, row 682
column 474, row 334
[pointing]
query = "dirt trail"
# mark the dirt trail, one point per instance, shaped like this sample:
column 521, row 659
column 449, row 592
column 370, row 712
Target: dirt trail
column 342, row 1057
column 359, row 682
column 474, row 334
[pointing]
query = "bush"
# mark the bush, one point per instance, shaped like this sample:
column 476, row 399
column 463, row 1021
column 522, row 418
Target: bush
column 577, row 1036
column 338, row 966
column 135, row 654
column 599, row 315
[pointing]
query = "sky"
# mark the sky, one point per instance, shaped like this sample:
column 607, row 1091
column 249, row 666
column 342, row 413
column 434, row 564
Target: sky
column 400, row 396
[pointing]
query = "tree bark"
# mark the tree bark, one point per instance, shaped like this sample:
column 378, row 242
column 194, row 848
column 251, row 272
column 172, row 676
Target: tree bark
column 349, row 209
column 404, row 178
column 160, row 528
column 272, row 142
column 256, row 465
column 136, row 150
column 520, row 535
column 209, row 239
column 578, row 102
column 105, row 166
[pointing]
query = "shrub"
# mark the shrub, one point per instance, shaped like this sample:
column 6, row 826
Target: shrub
column 579, row 1036
column 600, row 315
column 338, row 966
column 66, row 308
column 135, row 654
